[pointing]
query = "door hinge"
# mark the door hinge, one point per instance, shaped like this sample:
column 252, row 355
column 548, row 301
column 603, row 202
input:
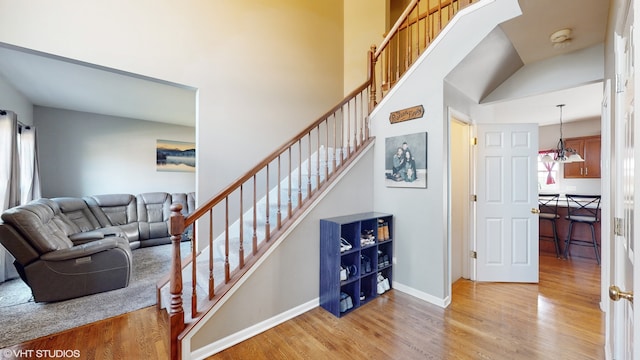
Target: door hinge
column 474, row 141
column 474, row 197
column 618, row 225
column 619, row 84
column 473, row 254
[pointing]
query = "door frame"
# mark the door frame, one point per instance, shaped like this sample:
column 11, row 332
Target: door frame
column 606, row 246
column 468, row 270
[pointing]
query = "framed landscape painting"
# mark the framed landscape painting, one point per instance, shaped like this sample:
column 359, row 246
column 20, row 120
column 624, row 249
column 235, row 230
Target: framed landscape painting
column 406, row 161
column 175, row 156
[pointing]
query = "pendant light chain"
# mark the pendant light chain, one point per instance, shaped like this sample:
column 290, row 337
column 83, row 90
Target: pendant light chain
column 561, row 151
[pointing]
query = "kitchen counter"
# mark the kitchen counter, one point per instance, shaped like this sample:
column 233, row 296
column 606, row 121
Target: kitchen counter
column 580, row 231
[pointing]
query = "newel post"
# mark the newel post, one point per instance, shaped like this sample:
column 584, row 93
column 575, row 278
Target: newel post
column 372, row 78
column 176, row 312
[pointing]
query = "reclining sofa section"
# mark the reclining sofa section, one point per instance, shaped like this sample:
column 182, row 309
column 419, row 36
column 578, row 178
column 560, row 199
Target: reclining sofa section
column 69, row 247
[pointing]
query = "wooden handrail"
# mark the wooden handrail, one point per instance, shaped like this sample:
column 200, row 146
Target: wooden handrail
column 394, row 29
column 434, row 9
column 273, row 156
column 346, row 130
column 392, row 63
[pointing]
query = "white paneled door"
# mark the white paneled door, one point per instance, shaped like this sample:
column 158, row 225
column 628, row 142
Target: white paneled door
column 507, row 203
column 626, row 212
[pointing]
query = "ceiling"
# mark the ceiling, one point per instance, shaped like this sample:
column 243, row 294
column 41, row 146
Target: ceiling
column 67, row 84
column 57, row 82
column 525, row 40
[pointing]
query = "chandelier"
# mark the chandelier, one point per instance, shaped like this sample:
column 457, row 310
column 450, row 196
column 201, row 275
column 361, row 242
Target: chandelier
column 561, row 153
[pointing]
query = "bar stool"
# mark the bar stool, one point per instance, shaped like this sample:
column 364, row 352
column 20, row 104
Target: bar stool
column 548, row 206
column 583, row 209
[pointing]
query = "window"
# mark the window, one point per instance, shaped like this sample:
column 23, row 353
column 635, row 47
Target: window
column 18, row 173
column 547, row 174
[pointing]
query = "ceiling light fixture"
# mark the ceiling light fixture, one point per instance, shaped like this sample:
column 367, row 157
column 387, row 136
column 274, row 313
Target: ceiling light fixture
column 560, row 38
column 562, row 154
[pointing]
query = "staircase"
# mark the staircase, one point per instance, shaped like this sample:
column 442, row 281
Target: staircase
column 315, row 170
column 237, row 227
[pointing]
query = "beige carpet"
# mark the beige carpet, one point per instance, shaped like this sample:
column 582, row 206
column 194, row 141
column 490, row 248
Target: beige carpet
column 23, row 319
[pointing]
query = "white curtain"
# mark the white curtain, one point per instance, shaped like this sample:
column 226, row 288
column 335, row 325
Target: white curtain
column 9, row 164
column 29, row 176
column 19, row 179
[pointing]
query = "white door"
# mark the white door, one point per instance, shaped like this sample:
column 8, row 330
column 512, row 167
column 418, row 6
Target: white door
column 620, row 330
column 507, row 203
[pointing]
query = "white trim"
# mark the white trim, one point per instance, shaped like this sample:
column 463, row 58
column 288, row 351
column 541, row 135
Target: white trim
column 443, row 303
column 254, row 330
column 186, row 341
column 468, row 265
column 462, row 117
column 608, row 177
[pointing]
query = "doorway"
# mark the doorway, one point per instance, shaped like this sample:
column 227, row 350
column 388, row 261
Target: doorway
column 507, row 261
column 460, row 196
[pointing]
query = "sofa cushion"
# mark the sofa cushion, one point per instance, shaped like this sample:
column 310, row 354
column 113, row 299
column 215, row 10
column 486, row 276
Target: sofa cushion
column 187, row 200
column 116, row 210
column 63, row 222
column 153, row 214
column 18, row 246
column 113, row 209
column 78, row 212
column 37, row 222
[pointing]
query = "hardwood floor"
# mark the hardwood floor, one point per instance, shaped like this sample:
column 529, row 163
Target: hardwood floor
column 559, row 318
column 141, row 334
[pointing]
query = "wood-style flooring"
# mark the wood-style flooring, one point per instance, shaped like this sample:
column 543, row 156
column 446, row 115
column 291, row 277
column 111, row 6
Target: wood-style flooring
column 559, row 318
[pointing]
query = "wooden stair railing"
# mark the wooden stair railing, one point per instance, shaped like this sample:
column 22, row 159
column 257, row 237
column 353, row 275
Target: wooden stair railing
column 332, row 141
column 413, row 32
column 310, row 161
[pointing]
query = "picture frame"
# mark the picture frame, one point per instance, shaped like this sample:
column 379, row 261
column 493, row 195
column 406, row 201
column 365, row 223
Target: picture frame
column 406, row 161
column 175, row 156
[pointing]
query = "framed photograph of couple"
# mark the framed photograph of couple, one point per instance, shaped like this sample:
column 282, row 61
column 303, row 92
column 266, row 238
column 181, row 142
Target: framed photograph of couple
column 406, row 161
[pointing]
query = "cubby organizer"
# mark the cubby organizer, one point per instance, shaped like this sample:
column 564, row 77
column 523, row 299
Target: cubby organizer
column 356, row 256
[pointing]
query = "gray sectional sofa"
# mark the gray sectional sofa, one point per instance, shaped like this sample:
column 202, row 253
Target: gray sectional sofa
column 69, row 247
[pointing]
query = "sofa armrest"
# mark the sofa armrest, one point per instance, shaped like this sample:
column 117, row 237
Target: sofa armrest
column 85, row 237
column 83, row 250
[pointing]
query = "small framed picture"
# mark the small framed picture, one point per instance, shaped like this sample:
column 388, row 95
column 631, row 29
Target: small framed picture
column 406, row 161
column 175, row 156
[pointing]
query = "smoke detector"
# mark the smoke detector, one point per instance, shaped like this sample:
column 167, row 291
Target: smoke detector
column 560, row 38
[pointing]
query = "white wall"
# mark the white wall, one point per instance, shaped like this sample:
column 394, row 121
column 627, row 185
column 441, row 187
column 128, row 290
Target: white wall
column 84, row 154
column 263, row 69
column 550, row 134
column 421, row 246
column 364, row 25
column 556, row 73
column 14, row 100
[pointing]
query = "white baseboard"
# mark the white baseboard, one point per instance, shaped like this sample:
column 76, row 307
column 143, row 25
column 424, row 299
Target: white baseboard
column 254, row 330
column 265, row 325
column 443, row 303
column 186, row 341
